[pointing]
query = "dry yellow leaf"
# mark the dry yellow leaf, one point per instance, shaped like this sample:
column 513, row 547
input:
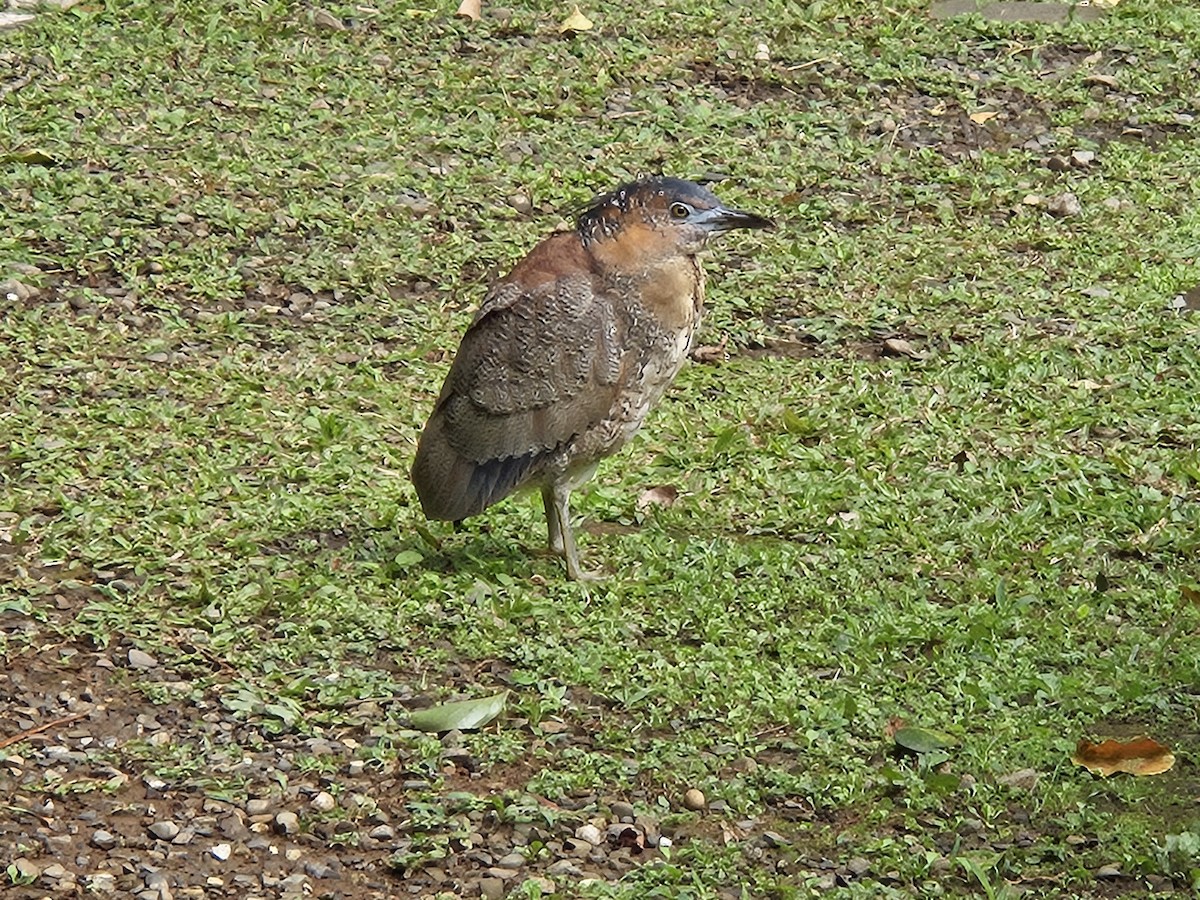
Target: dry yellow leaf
column 984, row 115
column 470, row 9
column 1140, row 756
column 576, row 21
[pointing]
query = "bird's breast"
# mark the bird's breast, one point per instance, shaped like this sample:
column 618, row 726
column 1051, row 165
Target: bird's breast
column 673, row 294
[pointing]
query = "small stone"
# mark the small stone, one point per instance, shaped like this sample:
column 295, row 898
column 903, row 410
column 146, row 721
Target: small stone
column 356, row 768
column 511, row 861
column 521, row 203
column 544, row 887
column 103, row 883
column 1083, row 158
column 382, row 833
column 589, row 833
column 1064, row 205
column 491, row 888
column 140, row 659
column 258, row 806
column 17, row 290
column 563, row 867
column 164, row 830
column 287, row 822
column 103, row 840
column 221, row 852
column 1109, row 871
column 1022, row 779
column 622, row 810
column 320, row 870
column 323, row 802
column 694, row 799
column 858, row 867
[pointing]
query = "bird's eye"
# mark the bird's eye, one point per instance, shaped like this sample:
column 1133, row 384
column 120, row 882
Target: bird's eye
column 680, row 211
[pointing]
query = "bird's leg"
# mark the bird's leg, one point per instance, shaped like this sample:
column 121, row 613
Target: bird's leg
column 552, row 524
column 557, row 499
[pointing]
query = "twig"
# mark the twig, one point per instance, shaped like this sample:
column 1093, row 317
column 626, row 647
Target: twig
column 30, row 732
column 809, row 64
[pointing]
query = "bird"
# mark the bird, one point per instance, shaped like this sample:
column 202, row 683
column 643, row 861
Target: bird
column 568, row 353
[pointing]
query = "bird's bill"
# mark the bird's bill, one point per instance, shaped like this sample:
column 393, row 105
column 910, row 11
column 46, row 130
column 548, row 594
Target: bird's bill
column 721, row 218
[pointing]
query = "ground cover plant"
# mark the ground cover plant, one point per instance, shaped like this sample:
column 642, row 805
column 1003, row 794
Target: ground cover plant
column 934, row 467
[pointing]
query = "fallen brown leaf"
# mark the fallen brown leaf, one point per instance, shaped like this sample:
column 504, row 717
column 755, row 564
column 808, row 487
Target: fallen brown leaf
column 901, row 347
column 712, row 353
column 323, row 18
column 470, row 9
column 659, row 495
column 984, row 115
column 576, row 21
column 1140, row 756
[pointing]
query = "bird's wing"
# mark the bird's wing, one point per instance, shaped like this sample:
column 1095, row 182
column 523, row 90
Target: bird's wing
column 536, row 368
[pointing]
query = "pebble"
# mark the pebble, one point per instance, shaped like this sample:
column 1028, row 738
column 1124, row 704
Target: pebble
column 491, row 888
column 221, row 852
column 1064, row 205
column 140, row 659
column 258, row 806
column 102, row 883
column 589, row 833
column 320, row 870
column 694, row 799
column 16, row 290
column 1023, row 779
column 287, row 822
column 103, row 840
column 858, row 866
column 324, row 802
column 511, row 861
column 622, row 811
column 382, row 833
column 1109, row 871
column 164, row 830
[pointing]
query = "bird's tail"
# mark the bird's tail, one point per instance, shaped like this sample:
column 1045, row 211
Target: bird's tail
column 452, row 487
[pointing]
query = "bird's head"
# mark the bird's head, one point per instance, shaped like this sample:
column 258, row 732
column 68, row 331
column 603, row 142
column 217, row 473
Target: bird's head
column 660, row 218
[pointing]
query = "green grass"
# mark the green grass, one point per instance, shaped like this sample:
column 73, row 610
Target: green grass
column 990, row 540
